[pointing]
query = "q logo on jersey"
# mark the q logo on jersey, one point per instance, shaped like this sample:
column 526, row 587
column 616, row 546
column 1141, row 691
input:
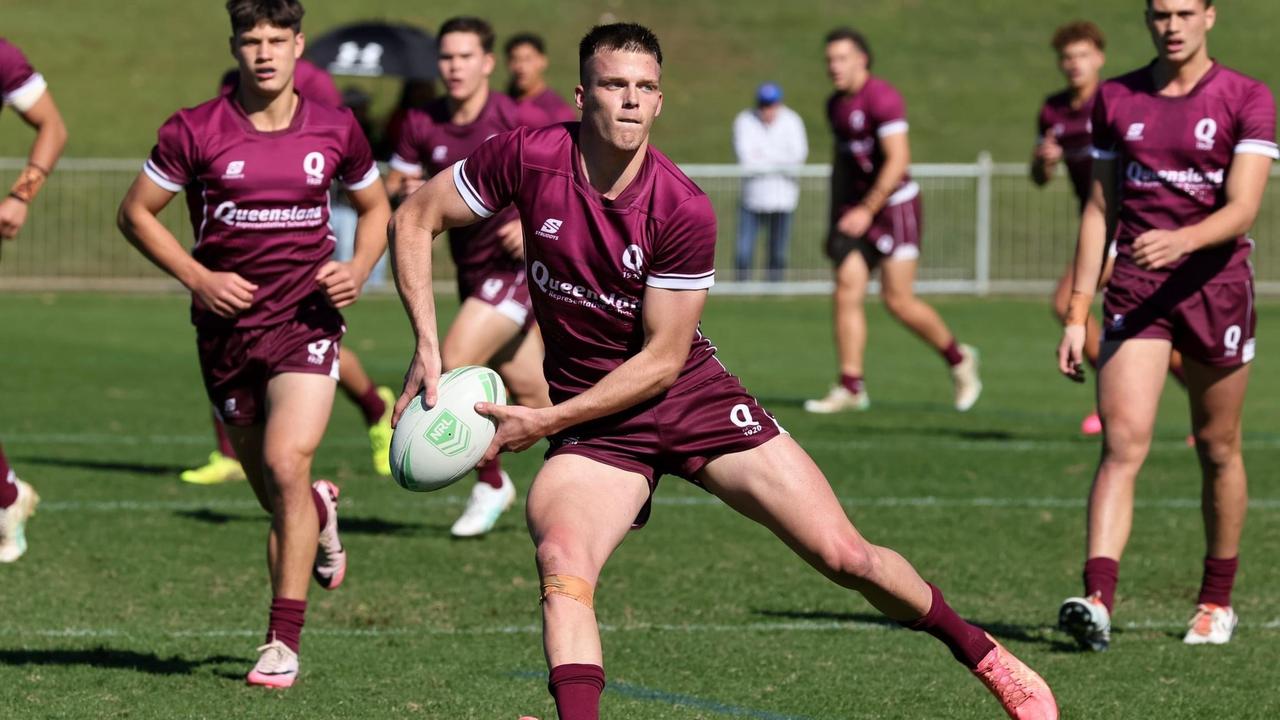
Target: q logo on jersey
column 632, row 262
column 313, row 166
column 1206, row 130
column 741, row 417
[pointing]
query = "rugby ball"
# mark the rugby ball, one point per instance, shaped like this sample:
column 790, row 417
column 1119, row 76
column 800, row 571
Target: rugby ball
column 435, row 447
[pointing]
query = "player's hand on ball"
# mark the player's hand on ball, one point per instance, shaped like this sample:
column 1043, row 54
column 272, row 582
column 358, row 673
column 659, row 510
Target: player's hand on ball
column 340, row 282
column 855, row 222
column 512, row 237
column 225, row 293
column 422, row 378
column 519, row 428
column 13, row 214
column 1071, row 352
column 1155, row 249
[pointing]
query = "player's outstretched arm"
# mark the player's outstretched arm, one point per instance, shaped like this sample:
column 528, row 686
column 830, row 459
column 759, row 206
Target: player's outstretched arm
column 342, row 281
column 1246, row 182
column 51, row 138
column 1097, row 223
column 227, row 294
column 436, row 207
column 670, row 321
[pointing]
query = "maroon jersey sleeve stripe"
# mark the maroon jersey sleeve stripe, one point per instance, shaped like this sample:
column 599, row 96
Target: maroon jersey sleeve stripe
column 468, row 193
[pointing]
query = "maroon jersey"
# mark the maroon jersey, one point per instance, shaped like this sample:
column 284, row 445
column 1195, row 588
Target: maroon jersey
column 590, row 258
column 20, row 85
column 1072, row 128
column 1172, row 155
column 859, row 122
column 431, row 142
column 310, row 80
column 553, row 106
column 259, row 201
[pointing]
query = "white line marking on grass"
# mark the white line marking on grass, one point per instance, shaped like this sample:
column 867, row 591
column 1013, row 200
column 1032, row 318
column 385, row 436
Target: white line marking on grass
column 925, row 501
column 914, row 441
column 673, row 628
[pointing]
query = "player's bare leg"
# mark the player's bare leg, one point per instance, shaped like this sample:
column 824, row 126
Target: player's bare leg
column 778, row 485
column 1217, row 399
column 375, row 404
column 849, row 319
column 480, row 335
column 579, row 511
column 520, row 365
column 1130, row 380
column 898, row 279
column 1092, row 424
column 277, row 458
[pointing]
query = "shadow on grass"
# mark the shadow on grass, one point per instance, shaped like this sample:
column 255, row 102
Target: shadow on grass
column 347, row 525
column 133, row 468
column 1037, row 634
column 103, row 657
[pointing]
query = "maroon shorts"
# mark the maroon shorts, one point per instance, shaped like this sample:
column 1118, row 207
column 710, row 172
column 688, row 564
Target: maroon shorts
column 894, row 234
column 506, row 290
column 678, row 434
column 1212, row 323
column 237, row 364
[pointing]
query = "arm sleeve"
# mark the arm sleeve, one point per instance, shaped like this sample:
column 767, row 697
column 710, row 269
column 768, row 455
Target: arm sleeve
column 1106, row 145
column 1257, row 124
column 407, row 157
column 489, row 178
column 358, row 170
column 684, row 253
column 173, row 161
column 888, row 113
column 20, row 84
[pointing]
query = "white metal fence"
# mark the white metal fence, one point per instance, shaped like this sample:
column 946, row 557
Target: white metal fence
column 987, row 229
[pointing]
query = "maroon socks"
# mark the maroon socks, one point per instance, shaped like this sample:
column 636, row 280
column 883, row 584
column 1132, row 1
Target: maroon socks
column 576, row 689
column 287, row 617
column 322, row 511
column 224, row 440
column 491, row 474
column 1101, row 574
column 1219, row 576
column 966, row 641
column 371, row 406
column 8, row 488
column 951, row 353
column 852, row 383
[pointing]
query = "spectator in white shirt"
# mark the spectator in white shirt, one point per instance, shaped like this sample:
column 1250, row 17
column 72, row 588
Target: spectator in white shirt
column 770, row 143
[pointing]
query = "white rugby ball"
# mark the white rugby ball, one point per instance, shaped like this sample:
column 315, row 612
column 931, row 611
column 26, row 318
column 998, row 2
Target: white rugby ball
column 434, row 448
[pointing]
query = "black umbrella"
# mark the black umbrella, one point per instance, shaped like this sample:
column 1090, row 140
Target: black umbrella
column 376, row 49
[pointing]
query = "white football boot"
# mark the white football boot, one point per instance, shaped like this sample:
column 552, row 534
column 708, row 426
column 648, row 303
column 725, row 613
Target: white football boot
column 964, row 377
column 484, row 507
column 13, row 521
column 1086, row 620
column 839, row 399
column 1211, row 625
column 277, row 666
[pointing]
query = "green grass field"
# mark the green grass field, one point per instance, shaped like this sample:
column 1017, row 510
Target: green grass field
column 973, row 73
column 144, row 598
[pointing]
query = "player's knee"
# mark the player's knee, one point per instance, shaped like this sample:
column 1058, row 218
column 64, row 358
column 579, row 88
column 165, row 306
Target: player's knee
column 851, row 558
column 556, row 553
column 898, row 303
column 1217, row 448
column 287, row 468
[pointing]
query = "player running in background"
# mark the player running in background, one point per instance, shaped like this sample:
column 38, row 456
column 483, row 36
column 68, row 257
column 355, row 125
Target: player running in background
column 494, row 325
column 374, row 402
column 527, row 68
column 25, row 91
column 1064, row 135
column 619, row 288
column 876, row 222
column 1192, row 142
column 256, row 168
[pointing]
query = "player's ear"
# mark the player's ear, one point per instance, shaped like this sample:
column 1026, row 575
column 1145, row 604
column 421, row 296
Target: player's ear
column 658, row 110
column 579, row 93
column 299, row 45
column 1210, row 17
column 489, row 63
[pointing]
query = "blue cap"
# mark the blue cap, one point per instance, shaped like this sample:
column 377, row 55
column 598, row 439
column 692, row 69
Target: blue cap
column 768, row 94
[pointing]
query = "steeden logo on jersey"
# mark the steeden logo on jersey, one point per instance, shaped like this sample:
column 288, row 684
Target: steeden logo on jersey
column 550, row 229
column 1135, row 132
column 439, row 153
column 235, row 170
